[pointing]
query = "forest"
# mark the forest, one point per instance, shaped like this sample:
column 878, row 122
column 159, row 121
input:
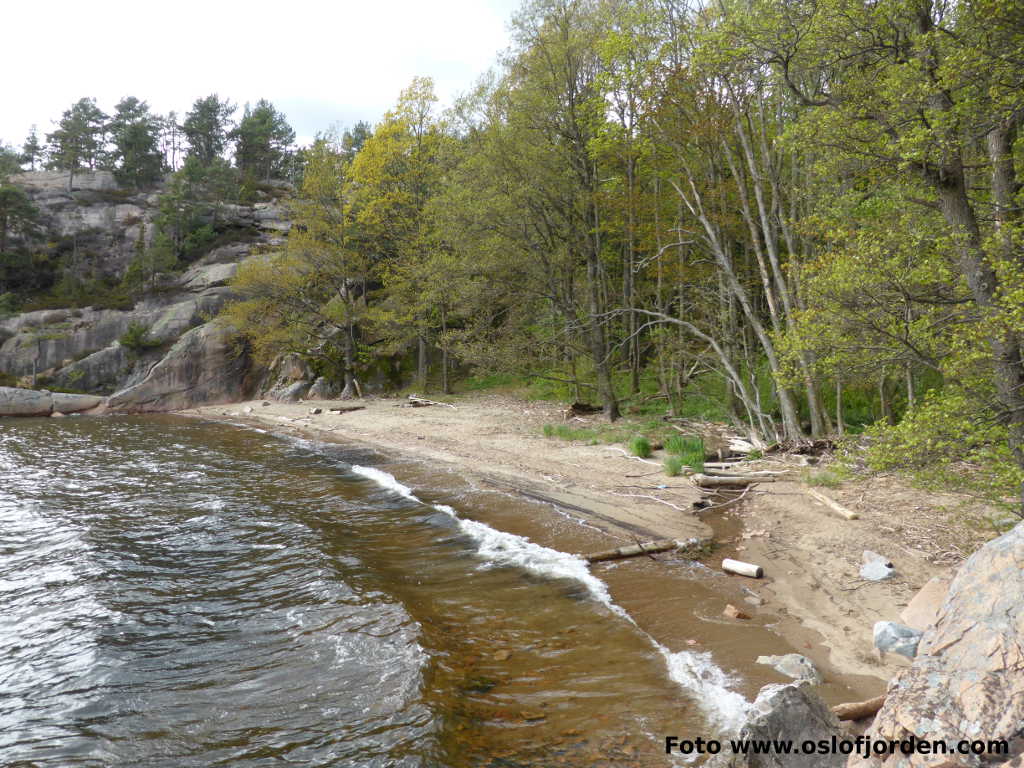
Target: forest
column 804, row 217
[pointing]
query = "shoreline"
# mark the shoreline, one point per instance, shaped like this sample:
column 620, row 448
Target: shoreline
column 811, row 596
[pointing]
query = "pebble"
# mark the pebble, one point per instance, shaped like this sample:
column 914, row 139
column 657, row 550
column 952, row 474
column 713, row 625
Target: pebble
column 734, row 613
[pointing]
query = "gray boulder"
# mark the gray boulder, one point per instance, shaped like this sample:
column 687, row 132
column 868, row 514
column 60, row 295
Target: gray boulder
column 25, row 402
column 66, row 403
column 790, row 711
column 891, row 637
column 967, row 680
column 32, row 402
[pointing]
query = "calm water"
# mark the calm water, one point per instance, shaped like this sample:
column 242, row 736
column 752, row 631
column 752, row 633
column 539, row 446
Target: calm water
column 179, row 593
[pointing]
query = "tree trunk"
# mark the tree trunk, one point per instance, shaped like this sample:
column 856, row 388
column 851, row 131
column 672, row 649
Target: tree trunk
column 421, row 362
column 444, row 352
column 349, row 389
column 840, row 423
column 887, row 413
column 598, row 343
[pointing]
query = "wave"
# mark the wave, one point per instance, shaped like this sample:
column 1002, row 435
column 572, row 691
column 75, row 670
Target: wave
column 696, row 673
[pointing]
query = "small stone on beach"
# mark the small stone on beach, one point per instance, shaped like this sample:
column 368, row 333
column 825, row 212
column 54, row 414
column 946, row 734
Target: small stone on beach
column 734, row 613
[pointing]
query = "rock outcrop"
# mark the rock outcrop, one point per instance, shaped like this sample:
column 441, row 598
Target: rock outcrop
column 32, row 402
column 204, row 366
column 967, row 681
column 78, row 349
column 791, row 712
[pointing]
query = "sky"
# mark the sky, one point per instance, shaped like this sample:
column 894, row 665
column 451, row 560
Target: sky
column 322, row 63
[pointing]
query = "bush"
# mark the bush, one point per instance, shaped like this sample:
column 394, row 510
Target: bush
column 136, row 339
column 640, row 446
column 673, row 465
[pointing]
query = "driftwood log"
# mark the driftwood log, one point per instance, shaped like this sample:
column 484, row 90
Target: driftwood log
column 761, row 473
column 858, row 710
column 728, row 481
column 416, row 401
column 835, row 506
column 347, row 408
column 634, row 550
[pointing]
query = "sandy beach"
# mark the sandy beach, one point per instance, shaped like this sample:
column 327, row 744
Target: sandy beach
column 810, row 556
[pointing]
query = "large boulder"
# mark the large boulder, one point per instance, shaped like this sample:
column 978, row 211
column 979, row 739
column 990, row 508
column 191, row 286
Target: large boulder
column 204, row 366
column 33, row 402
column 25, row 402
column 967, row 681
column 785, row 712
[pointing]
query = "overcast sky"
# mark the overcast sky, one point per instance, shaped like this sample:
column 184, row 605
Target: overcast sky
column 321, row 62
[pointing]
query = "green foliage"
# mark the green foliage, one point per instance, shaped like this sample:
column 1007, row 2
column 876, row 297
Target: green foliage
column 137, row 340
column 78, row 139
column 262, row 139
column 206, row 127
column 9, row 304
column 689, row 449
column 673, row 465
column 949, row 442
column 135, row 133
column 640, row 446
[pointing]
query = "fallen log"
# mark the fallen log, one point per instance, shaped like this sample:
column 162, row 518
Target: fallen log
column 633, row 550
column 347, row 408
column 419, row 402
column 752, row 473
column 835, row 506
column 742, row 569
column 858, row 710
column 730, row 481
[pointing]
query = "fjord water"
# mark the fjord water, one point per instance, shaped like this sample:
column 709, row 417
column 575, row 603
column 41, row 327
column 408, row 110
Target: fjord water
column 182, row 593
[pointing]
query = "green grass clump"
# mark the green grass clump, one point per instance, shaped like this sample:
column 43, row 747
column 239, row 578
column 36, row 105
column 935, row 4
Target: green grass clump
column 690, row 450
column 825, row 478
column 640, row 446
column 673, row 465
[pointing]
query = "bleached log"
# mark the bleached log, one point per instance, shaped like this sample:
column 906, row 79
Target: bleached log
column 858, row 710
column 752, row 473
column 741, row 568
column 835, row 506
column 417, row 401
column 708, row 481
column 634, row 550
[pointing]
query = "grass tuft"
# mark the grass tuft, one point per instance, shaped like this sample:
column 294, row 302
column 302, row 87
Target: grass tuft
column 673, row 465
column 690, row 450
column 640, row 446
column 824, row 478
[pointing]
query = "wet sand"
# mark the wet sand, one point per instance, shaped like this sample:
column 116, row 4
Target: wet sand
column 811, row 600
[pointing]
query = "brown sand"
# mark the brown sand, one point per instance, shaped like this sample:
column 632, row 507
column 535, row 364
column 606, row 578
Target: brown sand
column 810, row 556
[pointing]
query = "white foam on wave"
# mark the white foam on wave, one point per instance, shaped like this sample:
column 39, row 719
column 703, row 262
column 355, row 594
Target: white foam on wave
column 501, row 548
column 698, row 674
column 695, row 673
column 385, row 480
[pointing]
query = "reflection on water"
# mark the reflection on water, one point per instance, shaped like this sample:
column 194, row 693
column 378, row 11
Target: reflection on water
column 174, row 593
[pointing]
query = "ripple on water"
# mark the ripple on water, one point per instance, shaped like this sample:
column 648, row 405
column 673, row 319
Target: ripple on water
column 180, row 594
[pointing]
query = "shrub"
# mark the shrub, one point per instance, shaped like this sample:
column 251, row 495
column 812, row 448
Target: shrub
column 673, row 465
column 136, row 339
column 640, row 446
